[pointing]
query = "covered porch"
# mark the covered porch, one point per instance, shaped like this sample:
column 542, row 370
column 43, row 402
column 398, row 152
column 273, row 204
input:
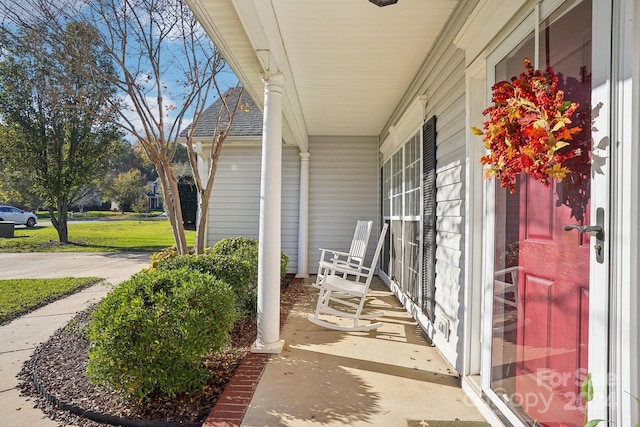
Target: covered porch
column 368, row 110
column 392, row 376
column 334, row 80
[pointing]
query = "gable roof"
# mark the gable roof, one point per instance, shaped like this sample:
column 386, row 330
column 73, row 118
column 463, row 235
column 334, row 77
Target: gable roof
column 247, row 122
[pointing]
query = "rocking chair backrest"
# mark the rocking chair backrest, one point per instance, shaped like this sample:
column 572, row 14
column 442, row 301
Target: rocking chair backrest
column 376, row 255
column 348, row 290
column 360, row 241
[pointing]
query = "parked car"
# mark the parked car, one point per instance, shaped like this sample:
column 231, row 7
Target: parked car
column 10, row 213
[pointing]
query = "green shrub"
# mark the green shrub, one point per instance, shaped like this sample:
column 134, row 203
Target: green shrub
column 242, row 247
column 234, row 270
column 151, row 334
column 247, row 248
column 233, row 260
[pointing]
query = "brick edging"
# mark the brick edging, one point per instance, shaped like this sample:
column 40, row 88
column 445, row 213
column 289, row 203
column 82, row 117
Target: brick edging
column 234, row 400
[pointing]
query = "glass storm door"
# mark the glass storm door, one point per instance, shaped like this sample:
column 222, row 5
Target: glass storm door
column 542, row 256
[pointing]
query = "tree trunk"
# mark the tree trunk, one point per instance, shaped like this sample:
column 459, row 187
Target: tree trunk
column 59, row 219
column 201, row 227
column 204, row 192
column 174, row 210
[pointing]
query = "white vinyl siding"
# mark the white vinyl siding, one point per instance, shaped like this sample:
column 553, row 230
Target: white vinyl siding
column 442, row 82
column 234, row 208
column 344, row 181
column 450, row 193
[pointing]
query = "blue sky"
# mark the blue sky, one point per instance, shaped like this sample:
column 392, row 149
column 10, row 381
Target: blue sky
column 173, row 65
column 172, row 99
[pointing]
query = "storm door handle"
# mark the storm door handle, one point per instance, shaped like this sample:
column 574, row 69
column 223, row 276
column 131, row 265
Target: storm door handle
column 596, row 231
column 593, row 230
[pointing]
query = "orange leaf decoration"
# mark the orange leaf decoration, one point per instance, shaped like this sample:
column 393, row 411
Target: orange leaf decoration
column 529, row 129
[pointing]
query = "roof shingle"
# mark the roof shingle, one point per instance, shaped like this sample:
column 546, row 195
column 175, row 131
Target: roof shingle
column 247, row 122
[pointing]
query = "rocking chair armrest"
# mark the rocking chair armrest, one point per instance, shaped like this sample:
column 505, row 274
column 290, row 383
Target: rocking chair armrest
column 334, row 252
column 344, row 267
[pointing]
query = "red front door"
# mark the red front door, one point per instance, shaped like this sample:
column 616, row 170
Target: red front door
column 541, row 289
column 553, row 288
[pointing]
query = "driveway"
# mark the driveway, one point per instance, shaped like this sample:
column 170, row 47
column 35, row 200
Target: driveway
column 113, row 267
column 20, row 337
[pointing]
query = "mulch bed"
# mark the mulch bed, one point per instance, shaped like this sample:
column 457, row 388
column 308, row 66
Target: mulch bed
column 60, row 366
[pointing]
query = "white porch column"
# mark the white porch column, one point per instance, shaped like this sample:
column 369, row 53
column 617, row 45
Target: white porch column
column 269, row 247
column 303, row 218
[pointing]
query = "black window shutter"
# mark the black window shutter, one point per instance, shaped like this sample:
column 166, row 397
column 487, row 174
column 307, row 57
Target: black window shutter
column 429, row 217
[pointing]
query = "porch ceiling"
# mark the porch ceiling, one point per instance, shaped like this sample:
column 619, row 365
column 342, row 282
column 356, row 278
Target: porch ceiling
column 347, row 63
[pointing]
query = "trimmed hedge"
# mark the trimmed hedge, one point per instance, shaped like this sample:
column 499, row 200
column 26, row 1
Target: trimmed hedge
column 234, row 270
column 151, row 334
column 233, row 260
column 246, row 248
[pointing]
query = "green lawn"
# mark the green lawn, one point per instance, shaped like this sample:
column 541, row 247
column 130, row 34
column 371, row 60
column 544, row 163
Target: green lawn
column 44, row 216
column 19, row 296
column 107, row 236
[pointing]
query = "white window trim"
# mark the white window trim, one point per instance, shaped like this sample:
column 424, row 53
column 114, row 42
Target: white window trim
column 408, row 125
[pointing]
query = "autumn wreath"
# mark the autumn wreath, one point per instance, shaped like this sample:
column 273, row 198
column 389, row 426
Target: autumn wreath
column 528, row 129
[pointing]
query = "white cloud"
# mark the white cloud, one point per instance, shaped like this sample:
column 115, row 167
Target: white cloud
column 133, row 117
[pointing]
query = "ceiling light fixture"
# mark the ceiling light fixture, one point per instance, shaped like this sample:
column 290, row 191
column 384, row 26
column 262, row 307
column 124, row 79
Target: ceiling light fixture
column 383, row 3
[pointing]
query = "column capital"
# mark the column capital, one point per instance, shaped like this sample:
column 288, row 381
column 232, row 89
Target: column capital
column 273, row 82
column 305, row 157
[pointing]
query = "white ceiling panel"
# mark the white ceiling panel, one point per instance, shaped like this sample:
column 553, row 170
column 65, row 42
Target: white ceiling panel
column 352, row 61
column 348, row 63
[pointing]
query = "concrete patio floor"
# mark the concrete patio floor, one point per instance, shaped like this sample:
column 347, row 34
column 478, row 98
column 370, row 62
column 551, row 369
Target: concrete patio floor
column 386, row 377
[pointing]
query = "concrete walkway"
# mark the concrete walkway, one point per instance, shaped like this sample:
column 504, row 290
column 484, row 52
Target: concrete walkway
column 19, row 338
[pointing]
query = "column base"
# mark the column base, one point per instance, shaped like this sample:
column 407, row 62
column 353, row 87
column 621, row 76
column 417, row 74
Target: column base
column 302, row 276
column 271, row 348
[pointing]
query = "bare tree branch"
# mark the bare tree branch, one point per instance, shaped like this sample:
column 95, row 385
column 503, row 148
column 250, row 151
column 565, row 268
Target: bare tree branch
column 166, row 72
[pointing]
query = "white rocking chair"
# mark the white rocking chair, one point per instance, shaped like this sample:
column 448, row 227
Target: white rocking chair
column 351, row 294
column 352, row 259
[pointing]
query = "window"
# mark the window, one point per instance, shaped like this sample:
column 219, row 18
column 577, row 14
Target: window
column 401, row 209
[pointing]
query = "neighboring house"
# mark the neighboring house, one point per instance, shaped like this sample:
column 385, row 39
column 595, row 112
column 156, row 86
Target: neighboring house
column 154, row 200
column 367, row 113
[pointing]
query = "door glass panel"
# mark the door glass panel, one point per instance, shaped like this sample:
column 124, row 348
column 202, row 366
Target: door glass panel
column 541, row 271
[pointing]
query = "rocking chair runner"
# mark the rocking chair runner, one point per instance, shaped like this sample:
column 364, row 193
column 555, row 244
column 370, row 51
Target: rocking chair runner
column 353, row 259
column 351, row 294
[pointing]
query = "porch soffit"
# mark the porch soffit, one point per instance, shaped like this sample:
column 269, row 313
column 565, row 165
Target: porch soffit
column 227, row 33
column 475, row 35
column 347, row 63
